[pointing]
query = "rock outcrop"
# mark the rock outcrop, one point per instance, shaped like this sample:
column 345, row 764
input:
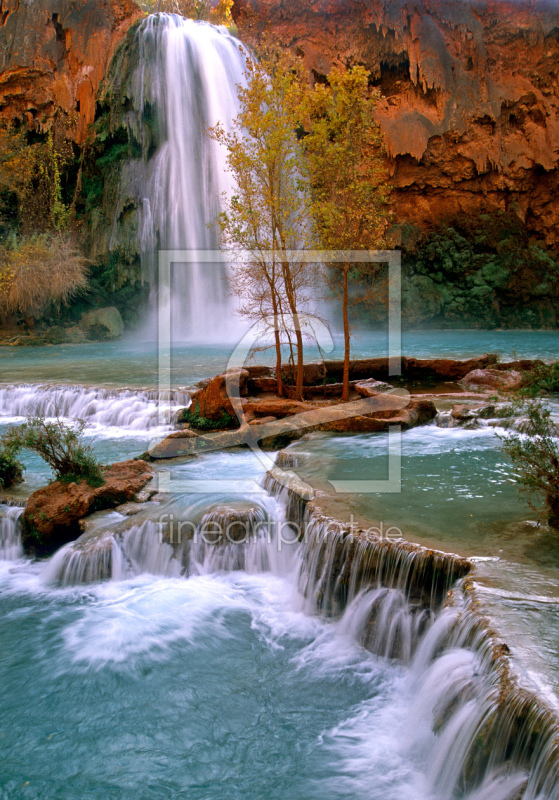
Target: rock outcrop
column 51, row 517
column 54, row 55
column 103, row 323
column 471, row 95
column 499, row 380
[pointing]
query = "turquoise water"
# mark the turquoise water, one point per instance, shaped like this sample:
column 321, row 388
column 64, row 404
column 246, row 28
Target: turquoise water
column 212, row 687
column 221, row 686
column 456, row 486
column 135, row 363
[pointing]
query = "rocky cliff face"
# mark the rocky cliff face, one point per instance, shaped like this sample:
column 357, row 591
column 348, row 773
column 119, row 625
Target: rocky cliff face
column 471, row 95
column 53, row 56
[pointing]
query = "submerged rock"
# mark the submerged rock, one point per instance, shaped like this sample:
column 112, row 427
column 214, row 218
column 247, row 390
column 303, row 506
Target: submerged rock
column 52, row 515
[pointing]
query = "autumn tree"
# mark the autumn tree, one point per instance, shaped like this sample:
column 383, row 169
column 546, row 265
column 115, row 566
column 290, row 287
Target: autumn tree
column 219, row 13
column 351, row 195
column 39, row 270
column 33, row 173
column 269, row 213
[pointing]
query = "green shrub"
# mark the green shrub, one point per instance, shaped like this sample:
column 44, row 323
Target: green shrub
column 544, row 378
column 203, row 424
column 482, row 270
column 60, row 445
column 535, row 455
column 11, row 470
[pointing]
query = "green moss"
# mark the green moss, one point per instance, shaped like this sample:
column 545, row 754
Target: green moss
column 202, row 424
column 485, row 271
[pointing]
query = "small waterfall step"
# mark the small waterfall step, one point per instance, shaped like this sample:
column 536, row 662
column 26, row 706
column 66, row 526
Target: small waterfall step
column 10, row 532
column 122, row 408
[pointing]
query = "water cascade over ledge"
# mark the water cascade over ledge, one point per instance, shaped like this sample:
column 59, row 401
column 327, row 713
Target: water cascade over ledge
column 128, row 409
column 186, row 82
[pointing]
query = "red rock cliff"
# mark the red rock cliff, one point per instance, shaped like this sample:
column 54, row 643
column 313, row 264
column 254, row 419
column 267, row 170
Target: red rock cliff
column 471, row 94
column 54, row 54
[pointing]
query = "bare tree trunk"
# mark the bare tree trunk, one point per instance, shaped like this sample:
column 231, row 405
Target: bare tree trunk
column 279, row 380
column 345, row 387
column 552, row 502
column 300, row 364
column 292, row 300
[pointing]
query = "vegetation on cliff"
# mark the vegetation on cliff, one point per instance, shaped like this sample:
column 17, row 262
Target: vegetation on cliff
column 38, row 271
column 219, row 13
column 485, row 271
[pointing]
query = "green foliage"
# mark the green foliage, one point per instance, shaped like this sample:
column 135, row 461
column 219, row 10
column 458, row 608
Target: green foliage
column 542, row 379
column 11, row 470
column 535, row 455
column 484, row 271
column 60, row 445
column 202, row 424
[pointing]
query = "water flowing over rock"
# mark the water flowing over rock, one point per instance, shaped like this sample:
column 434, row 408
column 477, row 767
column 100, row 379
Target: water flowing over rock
column 123, row 408
column 89, row 559
column 10, row 532
column 185, row 82
column 484, row 736
column 232, row 538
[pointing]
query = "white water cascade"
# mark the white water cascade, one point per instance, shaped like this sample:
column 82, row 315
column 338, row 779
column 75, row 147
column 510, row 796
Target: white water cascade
column 10, row 532
column 186, row 82
column 128, row 409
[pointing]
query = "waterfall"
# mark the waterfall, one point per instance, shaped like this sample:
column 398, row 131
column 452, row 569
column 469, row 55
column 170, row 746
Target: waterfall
column 10, row 532
column 483, row 735
column 108, row 555
column 231, row 538
column 186, row 82
column 119, row 408
column 89, row 559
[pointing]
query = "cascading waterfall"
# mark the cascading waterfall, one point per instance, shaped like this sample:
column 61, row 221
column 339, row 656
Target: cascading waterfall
column 186, row 82
column 481, row 735
column 119, row 408
column 10, row 532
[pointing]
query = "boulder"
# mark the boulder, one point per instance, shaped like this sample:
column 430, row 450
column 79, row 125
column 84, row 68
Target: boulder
column 103, row 323
column 278, row 408
column 371, row 387
column 213, row 400
column 181, row 443
column 261, row 385
column 52, row 515
column 499, row 380
column 418, row 412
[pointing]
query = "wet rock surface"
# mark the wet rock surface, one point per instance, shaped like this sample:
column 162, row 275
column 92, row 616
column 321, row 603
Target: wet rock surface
column 52, row 515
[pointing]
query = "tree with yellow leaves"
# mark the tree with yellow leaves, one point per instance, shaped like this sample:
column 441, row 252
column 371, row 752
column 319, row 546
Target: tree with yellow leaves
column 219, row 13
column 269, row 213
column 349, row 179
